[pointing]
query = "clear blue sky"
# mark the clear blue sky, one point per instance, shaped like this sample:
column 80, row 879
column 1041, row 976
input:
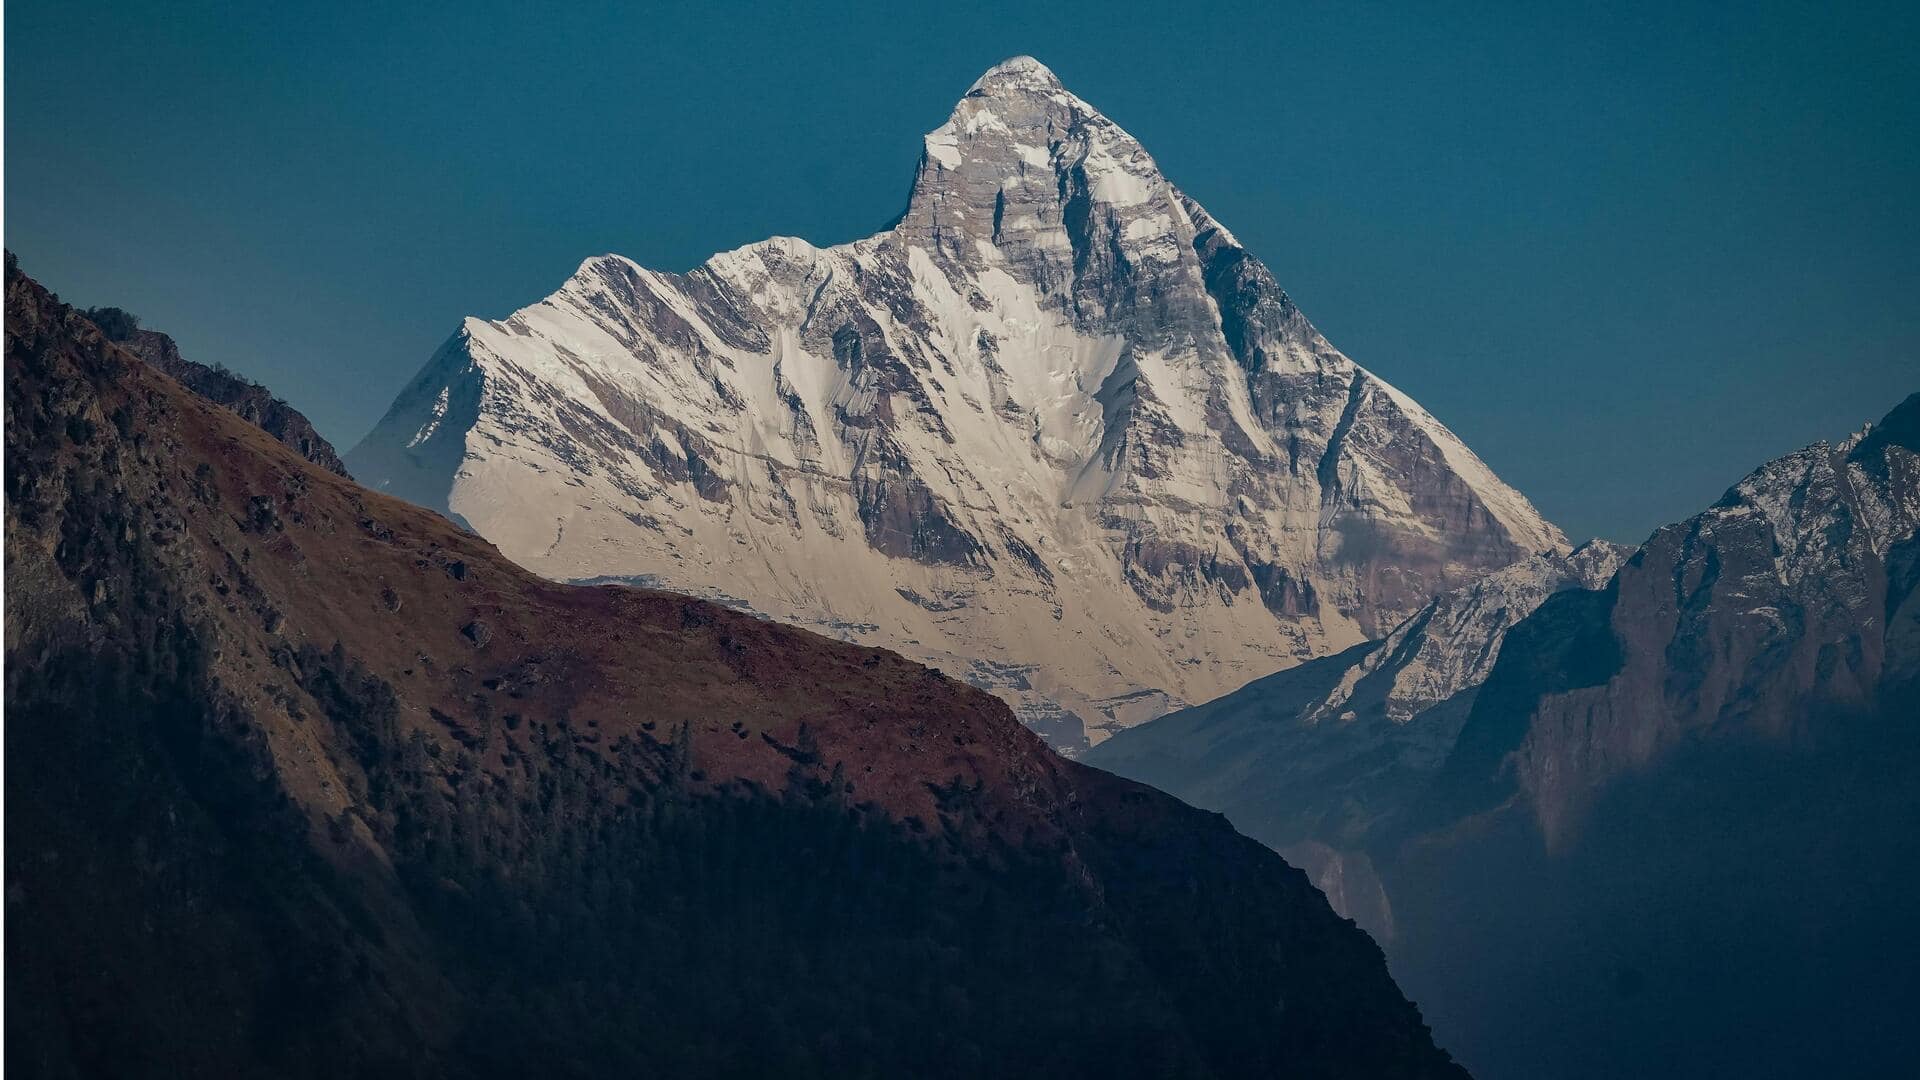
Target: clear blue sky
column 1627, row 254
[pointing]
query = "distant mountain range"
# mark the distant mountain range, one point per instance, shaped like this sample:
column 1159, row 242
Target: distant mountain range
column 304, row 781
column 1311, row 759
column 1055, row 431
column 1670, row 830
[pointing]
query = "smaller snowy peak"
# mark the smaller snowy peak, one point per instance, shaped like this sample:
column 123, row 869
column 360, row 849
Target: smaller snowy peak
column 1825, row 505
column 1592, row 564
column 1018, row 72
column 1449, row 646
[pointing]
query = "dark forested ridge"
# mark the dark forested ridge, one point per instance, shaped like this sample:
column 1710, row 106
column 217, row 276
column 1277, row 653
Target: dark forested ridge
column 304, row 781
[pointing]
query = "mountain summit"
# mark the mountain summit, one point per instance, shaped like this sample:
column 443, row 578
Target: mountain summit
column 1055, row 431
column 1021, row 71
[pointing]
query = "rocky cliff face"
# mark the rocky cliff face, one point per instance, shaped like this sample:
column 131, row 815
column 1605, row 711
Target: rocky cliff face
column 254, row 403
column 1778, row 607
column 303, row 781
column 1672, row 822
column 1056, row 431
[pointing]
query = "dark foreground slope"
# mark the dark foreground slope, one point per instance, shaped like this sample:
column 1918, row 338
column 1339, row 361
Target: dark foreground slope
column 304, row 781
column 1676, row 831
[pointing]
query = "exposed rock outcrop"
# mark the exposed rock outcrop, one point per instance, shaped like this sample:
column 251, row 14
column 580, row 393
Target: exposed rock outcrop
column 252, row 402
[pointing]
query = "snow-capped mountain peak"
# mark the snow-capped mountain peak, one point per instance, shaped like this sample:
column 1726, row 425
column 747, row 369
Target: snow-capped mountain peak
column 1016, row 72
column 1056, row 430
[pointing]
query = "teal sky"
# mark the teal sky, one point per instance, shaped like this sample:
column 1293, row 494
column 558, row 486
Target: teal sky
column 1626, row 254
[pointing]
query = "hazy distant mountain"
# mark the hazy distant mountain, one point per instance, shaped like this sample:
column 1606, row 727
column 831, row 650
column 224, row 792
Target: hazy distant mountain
column 1055, row 431
column 1311, row 759
column 1675, row 830
column 305, row 782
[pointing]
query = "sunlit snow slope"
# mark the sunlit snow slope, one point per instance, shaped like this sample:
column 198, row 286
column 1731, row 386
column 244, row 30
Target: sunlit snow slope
column 1056, row 431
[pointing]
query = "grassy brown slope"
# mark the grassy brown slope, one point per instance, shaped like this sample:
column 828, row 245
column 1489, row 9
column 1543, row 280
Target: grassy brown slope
column 307, row 781
column 249, row 400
